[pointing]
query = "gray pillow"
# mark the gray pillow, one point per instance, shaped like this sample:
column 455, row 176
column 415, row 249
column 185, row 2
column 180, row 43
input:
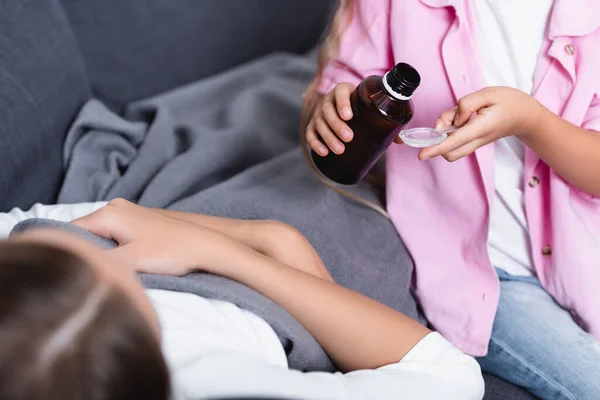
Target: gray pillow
column 138, row 48
column 42, row 86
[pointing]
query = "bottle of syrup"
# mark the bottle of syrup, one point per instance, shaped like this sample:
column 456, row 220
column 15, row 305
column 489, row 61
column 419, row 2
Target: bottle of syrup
column 381, row 106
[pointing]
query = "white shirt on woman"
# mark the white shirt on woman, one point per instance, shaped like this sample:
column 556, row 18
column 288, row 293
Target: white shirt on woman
column 216, row 350
column 510, row 36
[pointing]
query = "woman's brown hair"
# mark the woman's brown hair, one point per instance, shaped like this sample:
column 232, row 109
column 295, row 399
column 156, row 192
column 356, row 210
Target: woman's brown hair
column 328, row 51
column 64, row 334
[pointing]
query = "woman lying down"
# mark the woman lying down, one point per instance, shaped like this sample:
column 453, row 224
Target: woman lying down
column 75, row 323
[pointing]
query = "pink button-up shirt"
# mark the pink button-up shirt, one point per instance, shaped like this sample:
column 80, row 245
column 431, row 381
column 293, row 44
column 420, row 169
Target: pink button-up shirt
column 442, row 209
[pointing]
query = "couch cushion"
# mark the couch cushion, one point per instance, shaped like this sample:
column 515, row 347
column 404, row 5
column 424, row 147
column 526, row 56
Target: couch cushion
column 42, row 86
column 498, row 389
column 137, row 48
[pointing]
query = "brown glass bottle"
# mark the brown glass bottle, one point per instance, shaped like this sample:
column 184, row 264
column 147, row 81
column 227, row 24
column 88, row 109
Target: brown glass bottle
column 381, row 106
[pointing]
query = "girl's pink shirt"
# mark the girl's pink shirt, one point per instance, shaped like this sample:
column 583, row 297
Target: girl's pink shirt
column 441, row 209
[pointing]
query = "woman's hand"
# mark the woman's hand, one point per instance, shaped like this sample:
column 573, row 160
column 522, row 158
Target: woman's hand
column 176, row 243
column 154, row 243
column 484, row 117
column 329, row 121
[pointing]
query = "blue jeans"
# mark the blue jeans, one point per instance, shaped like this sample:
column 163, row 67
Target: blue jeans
column 536, row 344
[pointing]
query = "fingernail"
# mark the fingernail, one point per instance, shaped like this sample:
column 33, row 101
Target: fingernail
column 338, row 147
column 347, row 113
column 346, row 134
column 322, row 151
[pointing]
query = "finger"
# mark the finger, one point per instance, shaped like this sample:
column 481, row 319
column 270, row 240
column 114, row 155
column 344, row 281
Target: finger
column 328, row 136
column 397, row 140
column 446, row 118
column 461, row 137
column 339, row 127
column 107, row 222
column 469, row 105
column 314, row 142
column 465, row 150
column 342, row 94
column 99, row 222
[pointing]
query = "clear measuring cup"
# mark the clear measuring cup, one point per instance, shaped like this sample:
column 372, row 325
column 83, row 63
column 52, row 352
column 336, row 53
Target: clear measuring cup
column 425, row 137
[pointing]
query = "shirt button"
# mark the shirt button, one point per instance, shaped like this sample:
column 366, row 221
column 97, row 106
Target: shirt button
column 546, row 251
column 534, row 182
column 569, row 49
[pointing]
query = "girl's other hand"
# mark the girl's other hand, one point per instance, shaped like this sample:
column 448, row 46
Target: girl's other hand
column 484, row 117
column 328, row 123
column 154, row 243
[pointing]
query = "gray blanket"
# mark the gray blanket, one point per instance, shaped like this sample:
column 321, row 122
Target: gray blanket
column 228, row 146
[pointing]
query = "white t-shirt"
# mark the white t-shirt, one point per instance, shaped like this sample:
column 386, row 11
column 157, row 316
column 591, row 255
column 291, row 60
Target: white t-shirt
column 510, row 37
column 217, row 350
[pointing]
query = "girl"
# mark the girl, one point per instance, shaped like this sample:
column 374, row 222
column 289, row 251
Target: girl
column 92, row 331
column 506, row 238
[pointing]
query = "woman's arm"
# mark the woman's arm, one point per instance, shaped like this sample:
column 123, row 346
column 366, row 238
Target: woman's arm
column 572, row 152
column 274, row 239
column 356, row 332
column 496, row 112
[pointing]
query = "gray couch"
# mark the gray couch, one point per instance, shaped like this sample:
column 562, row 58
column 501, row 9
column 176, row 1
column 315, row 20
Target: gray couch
column 55, row 55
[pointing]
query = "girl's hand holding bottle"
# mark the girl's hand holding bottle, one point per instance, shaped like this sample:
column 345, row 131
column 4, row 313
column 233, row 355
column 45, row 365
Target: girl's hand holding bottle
column 328, row 121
